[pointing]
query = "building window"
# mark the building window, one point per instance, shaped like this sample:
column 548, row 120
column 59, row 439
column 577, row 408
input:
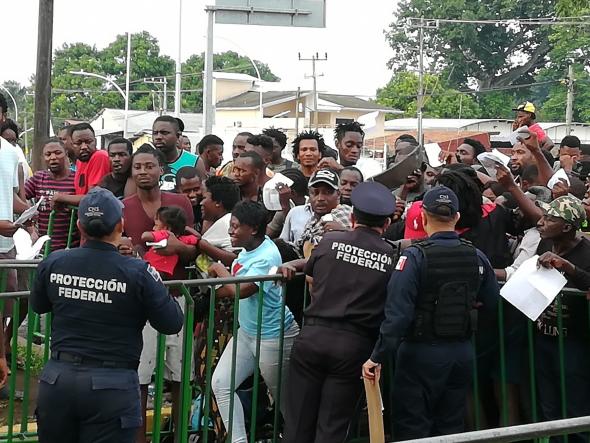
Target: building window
column 341, row 121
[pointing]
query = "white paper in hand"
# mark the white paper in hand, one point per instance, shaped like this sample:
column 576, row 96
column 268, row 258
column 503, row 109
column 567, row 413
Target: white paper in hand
column 560, row 174
column 270, row 195
column 522, row 132
column 503, row 157
column 489, row 160
column 433, row 153
column 525, row 296
column 548, row 282
column 25, row 249
column 29, row 213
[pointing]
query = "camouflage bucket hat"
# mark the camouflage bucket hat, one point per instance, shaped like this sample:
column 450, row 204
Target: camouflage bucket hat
column 567, row 207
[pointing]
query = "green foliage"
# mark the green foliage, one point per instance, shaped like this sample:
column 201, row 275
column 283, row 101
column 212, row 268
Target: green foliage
column 488, row 58
column 483, row 54
column 440, row 101
column 18, row 91
column 79, row 97
column 570, row 45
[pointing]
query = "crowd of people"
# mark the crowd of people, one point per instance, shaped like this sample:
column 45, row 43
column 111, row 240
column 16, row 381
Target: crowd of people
column 372, row 259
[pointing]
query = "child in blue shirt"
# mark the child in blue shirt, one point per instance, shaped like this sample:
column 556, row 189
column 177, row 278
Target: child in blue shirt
column 247, row 230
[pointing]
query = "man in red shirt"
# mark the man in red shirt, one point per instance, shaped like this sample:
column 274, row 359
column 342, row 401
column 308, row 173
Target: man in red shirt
column 140, row 214
column 525, row 116
column 91, row 164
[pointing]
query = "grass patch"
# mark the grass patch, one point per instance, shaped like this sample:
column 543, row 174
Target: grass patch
column 35, row 363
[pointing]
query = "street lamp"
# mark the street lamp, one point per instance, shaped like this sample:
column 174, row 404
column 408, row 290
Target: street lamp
column 257, row 73
column 13, row 101
column 116, row 86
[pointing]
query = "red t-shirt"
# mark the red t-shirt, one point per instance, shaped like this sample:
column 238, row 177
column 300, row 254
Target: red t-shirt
column 536, row 128
column 90, row 173
column 166, row 263
column 137, row 221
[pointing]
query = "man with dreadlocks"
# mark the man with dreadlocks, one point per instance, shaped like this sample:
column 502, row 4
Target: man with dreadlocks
column 349, row 138
column 279, row 141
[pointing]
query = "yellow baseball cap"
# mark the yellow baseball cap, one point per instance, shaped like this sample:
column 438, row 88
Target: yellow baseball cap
column 526, row 107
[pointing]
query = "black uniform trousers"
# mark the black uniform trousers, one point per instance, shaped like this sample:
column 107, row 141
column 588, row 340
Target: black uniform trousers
column 324, row 384
column 81, row 404
column 430, row 386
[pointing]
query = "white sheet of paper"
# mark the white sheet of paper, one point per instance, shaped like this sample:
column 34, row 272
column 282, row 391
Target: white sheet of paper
column 548, row 282
column 503, row 157
column 25, row 249
column 270, row 195
column 522, row 132
column 523, row 295
column 433, row 153
column 29, row 213
column 489, row 160
column 560, row 174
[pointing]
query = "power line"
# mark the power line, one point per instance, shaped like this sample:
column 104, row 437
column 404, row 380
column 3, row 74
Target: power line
column 102, row 91
column 541, row 21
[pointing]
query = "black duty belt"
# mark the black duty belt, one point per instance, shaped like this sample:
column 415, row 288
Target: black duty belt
column 92, row 362
column 339, row 325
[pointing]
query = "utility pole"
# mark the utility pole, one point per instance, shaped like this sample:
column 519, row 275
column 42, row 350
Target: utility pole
column 569, row 110
column 314, row 58
column 164, row 82
column 297, row 111
column 208, row 112
column 177, row 82
column 43, row 79
column 421, row 24
column 420, row 102
column 127, row 77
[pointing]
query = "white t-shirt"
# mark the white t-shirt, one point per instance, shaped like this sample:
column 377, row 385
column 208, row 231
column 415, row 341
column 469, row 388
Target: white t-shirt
column 22, row 160
column 8, row 182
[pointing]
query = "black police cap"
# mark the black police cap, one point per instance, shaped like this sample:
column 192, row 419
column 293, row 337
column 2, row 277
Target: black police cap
column 373, row 198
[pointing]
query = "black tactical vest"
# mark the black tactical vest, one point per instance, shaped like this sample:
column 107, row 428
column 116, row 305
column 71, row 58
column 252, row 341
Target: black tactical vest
column 448, row 288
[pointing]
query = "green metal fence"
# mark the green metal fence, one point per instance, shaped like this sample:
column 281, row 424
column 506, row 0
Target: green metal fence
column 207, row 336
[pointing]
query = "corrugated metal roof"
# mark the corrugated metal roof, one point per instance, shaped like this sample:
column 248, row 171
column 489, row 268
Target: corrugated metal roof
column 234, row 76
column 353, row 102
column 251, row 99
column 401, row 124
column 139, row 121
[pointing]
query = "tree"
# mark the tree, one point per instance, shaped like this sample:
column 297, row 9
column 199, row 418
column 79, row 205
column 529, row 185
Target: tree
column 570, row 46
column 18, row 91
column 77, row 97
column 440, row 100
column 472, row 54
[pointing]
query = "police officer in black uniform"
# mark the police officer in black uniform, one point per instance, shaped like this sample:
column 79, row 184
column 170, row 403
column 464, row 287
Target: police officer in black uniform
column 348, row 272
column 430, row 309
column 100, row 301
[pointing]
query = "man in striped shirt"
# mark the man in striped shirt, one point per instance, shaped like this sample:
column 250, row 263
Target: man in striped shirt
column 57, row 178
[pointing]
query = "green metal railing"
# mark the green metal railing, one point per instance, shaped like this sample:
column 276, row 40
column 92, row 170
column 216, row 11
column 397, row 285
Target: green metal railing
column 221, row 321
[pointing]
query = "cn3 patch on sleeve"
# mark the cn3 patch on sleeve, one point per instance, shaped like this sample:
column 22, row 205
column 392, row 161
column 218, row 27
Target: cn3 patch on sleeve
column 401, row 263
column 155, row 274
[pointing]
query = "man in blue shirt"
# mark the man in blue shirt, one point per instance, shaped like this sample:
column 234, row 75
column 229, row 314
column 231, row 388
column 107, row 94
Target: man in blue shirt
column 165, row 137
column 89, row 389
column 429, row 321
